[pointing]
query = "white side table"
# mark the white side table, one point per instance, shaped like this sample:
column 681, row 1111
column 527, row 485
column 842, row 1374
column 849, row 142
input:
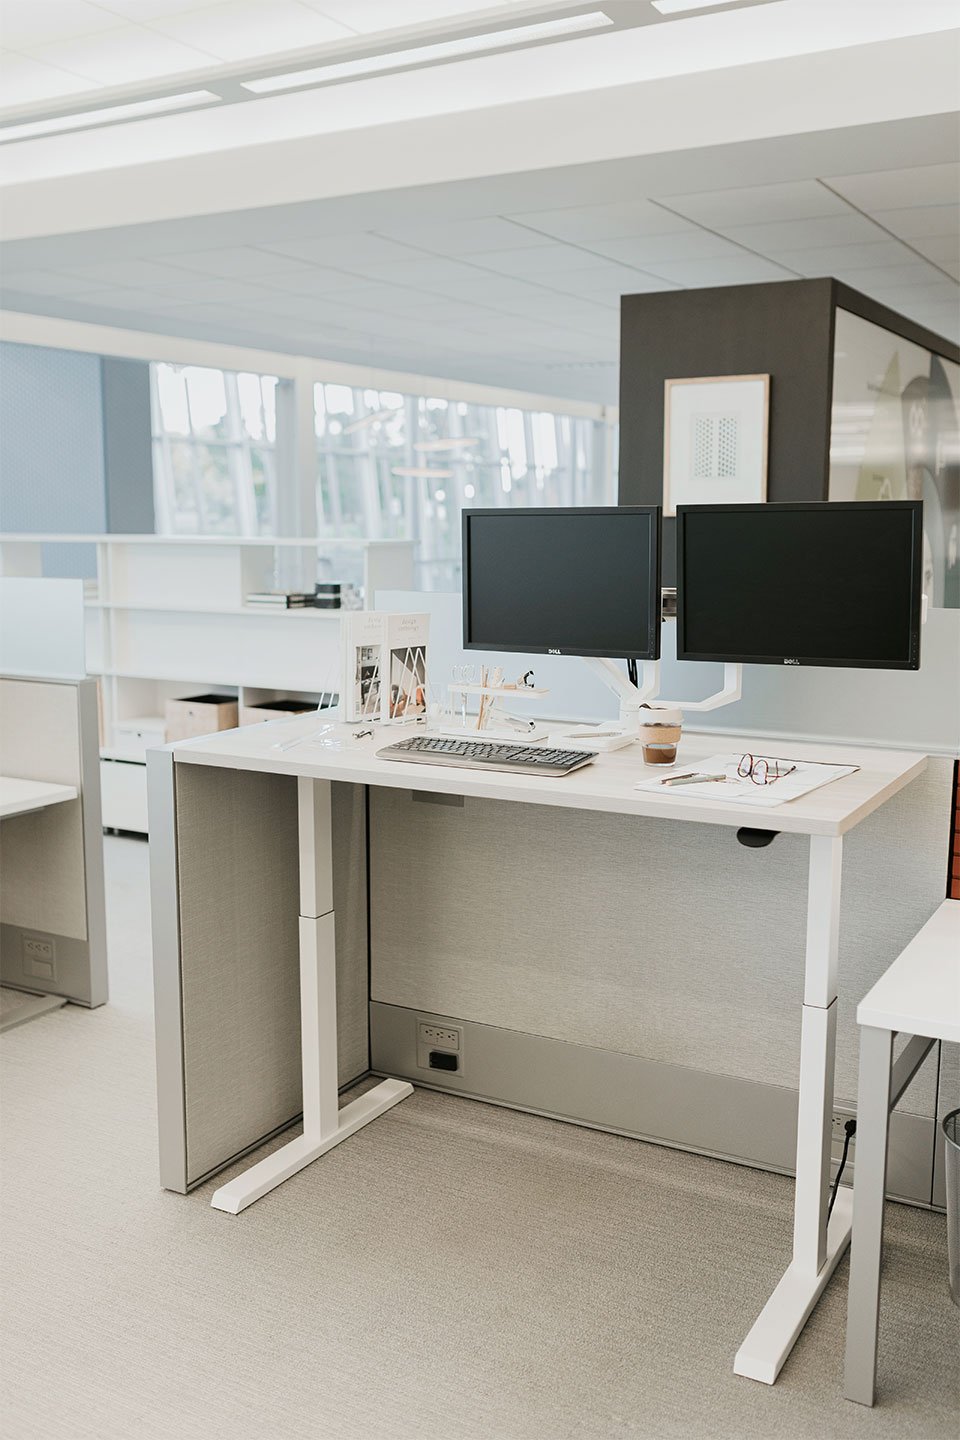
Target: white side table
column 919, row 996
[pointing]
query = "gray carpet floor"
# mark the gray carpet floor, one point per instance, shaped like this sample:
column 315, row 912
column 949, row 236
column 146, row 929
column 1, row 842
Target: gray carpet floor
column 453, row 1272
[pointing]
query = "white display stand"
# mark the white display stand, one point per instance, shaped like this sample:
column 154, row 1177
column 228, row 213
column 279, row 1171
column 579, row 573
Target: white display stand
column 165, row 616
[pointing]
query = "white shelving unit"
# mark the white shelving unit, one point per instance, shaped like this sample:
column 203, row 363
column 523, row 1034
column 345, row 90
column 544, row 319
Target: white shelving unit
column 165, row 617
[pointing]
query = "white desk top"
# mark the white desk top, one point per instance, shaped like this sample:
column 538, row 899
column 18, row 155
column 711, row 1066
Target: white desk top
column 920, row 993
column 18, row 796
column 606, row 785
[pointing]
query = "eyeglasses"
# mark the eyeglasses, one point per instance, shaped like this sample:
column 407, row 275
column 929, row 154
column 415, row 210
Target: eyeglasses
column 761, row 770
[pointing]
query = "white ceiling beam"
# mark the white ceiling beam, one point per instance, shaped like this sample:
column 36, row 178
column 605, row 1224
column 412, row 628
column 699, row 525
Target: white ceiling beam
column 857, row 85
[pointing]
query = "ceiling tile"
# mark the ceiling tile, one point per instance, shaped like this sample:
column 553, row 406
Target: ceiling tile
column 237, row 262
column 747, row 270
column 914, row 272
column 605, row 287
column 368, row 16
column 921, row 220
column 315, row 280
column 756, row 204
column 130, row 272
column 828, row 258
column 123, row 55
column 463, row 237
column 941, row 292
column 43, row 282
column 122, row 297
column 897, row 189
column 941, row 249
column 27, row 25
column 603, row 222
column 786, row 235
column 139, row 11
column 241, row 29
column 398, row 299
column 203, row 288
column 441, row 274
column 23, row 79
column 690, row 245
column 538, row 261
column 492, row 289
column 349, row 252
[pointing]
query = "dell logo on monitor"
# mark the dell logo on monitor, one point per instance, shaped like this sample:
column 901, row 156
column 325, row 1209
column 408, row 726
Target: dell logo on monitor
column 790, row 661
column 554, row 652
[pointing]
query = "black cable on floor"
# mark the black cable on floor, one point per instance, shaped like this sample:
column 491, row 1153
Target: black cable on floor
column 849, row 1130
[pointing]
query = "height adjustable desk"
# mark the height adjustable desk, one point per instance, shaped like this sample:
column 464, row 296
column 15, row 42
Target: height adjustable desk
column 825, row 815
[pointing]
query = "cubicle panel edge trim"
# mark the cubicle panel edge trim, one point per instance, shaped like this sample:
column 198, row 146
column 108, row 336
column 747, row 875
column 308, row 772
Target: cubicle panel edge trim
column 167, row 987
column 94, row 889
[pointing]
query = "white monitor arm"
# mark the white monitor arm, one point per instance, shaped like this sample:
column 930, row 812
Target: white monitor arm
column 631, row 696
column 728, row 694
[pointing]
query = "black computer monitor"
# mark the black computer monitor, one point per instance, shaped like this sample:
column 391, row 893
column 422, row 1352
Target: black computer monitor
column 563, row 582
column 819, row 584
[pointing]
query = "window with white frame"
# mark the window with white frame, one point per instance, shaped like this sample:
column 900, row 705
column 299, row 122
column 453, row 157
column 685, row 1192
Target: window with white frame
column 388, row 465
column 397, row 466
column 214, row 451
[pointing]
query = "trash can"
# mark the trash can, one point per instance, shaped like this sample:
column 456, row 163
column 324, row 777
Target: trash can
column 951, row 1135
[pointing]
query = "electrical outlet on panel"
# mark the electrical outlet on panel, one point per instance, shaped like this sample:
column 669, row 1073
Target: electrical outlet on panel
column 439, row 1047
column 838, row 1134
column 39, row 957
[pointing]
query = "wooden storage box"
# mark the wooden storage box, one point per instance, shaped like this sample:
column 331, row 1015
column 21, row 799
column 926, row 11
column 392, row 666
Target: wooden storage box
column 273, row 710
column 200, row 715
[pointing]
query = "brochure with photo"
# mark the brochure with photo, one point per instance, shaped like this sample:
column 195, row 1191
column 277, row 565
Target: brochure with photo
column 384, row 666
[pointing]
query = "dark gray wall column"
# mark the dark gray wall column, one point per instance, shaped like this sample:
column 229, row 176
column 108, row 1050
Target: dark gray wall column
column 127, row 453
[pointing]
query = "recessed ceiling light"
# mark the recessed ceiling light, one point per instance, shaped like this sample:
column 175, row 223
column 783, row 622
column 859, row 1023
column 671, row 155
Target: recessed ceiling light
column 459, row 442
column 677, row 7
column 422, row 472
column 423, row 54
column 83, row 119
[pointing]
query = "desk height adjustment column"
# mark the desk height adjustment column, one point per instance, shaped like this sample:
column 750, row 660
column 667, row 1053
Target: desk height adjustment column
column 324, row 1123
column 817, row 1244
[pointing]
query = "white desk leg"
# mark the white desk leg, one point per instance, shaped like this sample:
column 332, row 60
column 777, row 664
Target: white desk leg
column 324, row 1123
column 816, row 1249
column 869, row 1189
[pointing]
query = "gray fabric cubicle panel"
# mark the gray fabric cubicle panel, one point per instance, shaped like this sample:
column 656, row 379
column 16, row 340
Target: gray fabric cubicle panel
column 41, row 853
column 237, row 859
column 52, row 860
column 664, row 940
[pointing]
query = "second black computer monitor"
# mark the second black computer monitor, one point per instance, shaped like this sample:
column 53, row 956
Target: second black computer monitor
column 577, row 581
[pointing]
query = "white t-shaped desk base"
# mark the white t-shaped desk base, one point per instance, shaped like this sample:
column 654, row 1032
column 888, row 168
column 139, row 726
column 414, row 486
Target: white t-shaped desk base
column 324, row 1123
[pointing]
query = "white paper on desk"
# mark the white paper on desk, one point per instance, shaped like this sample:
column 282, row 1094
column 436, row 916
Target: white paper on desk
column 806, row 777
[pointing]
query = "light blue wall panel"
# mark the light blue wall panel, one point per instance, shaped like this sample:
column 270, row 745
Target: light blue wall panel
column 51, row 448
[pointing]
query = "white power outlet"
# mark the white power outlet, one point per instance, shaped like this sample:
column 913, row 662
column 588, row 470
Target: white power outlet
column 439, row 1047
column 39, row 958
column 443, row 1036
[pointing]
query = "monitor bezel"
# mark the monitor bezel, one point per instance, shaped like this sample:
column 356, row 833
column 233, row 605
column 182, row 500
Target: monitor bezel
column 654, row 512
column 852, row 663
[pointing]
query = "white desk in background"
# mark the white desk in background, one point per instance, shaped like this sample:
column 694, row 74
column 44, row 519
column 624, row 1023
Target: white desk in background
column 825, row 815
column 19, row 796
column 918, row 997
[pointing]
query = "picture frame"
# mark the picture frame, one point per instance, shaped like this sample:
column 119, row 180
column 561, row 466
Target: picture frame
column 715, row 440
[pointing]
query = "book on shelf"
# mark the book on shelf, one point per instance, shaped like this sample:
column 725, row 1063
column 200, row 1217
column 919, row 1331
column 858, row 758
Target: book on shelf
column 384, row 666
column 280, row 599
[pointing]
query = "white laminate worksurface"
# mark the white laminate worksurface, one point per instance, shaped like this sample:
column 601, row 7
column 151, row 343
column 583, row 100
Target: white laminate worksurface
column 920, row 993
column 606, row 785
column 19, row 796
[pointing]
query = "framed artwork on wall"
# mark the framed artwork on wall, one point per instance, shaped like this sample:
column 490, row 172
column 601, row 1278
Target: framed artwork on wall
column 715, row 440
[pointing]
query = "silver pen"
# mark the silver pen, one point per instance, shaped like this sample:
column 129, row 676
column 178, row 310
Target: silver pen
column 691, row 779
